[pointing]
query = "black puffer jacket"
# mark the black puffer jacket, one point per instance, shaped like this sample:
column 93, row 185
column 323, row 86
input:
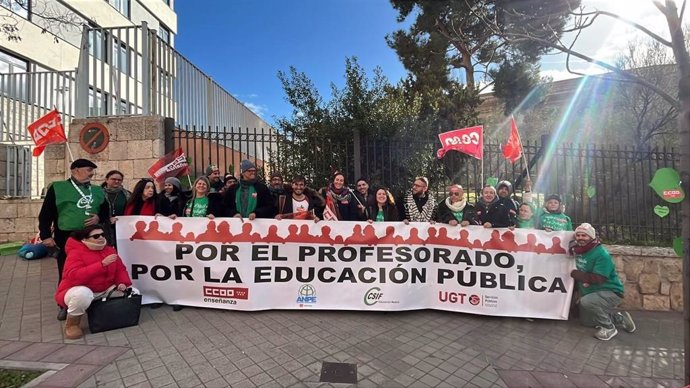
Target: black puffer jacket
column 500, row 214
column 445, row 215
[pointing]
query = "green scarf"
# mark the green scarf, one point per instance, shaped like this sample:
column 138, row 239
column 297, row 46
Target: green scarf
column 245, row 198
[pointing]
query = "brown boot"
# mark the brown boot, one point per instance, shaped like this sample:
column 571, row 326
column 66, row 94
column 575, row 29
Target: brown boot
column 73, row 327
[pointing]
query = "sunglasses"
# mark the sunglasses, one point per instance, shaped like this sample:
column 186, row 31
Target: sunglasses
column 97, row 235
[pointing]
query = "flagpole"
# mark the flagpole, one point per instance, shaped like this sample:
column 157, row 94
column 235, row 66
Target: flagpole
column 71, row 156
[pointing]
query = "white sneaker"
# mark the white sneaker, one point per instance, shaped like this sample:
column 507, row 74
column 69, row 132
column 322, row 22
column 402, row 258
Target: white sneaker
column 605, row 334
column 626, row 321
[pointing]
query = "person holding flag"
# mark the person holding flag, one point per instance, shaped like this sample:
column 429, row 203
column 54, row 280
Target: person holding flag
column 69, row 206
column 341, row 204
column 301, row 203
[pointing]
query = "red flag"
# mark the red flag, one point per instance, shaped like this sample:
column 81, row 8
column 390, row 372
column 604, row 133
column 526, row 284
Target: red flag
column 466, row 140
column 329, row 213
column 513, row 150
column 47, row 130
column 172, row 164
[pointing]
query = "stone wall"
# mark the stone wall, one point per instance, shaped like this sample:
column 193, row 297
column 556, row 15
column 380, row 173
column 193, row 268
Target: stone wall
column 653, row 277
column 136, row 143
column 18, row 219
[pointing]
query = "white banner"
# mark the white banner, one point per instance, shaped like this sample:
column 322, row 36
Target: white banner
column 236, row 264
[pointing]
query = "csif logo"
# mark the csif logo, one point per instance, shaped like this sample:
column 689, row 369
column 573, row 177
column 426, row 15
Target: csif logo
column 372, row 296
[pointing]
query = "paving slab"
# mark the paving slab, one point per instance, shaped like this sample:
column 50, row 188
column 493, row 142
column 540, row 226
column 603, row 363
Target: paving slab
column 206, row 347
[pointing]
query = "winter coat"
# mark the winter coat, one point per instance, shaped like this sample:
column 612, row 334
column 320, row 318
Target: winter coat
column 84, row 268
column 390, row 212
column 498, row 213
column 445, row 215
column 316, row 201
column 264, row 202
column 345, row 211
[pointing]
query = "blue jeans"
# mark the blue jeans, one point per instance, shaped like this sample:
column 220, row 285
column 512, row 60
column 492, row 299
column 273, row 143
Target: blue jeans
column 596, row 309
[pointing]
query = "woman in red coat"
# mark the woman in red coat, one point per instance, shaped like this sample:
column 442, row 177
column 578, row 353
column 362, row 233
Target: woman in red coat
column 92, row 268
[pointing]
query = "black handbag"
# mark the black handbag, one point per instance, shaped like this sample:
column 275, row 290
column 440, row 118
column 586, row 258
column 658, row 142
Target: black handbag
column 109, row 313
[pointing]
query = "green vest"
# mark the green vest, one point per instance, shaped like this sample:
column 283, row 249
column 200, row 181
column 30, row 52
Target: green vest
column 72, row 208
column 555, row 221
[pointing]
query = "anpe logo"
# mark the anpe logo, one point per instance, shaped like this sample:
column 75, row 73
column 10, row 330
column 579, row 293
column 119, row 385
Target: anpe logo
column 306, row 295
column 227, row 292
column 372, row 296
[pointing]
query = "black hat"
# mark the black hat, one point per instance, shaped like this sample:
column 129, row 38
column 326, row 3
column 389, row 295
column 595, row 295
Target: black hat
column 553, row 196
column 82, row 163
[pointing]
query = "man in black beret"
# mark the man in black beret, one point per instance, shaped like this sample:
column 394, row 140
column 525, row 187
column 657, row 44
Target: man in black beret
column 71, row 205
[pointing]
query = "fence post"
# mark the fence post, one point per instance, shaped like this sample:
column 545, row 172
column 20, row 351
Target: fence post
column 82, row 82
column 146, row 70
column 357, row 155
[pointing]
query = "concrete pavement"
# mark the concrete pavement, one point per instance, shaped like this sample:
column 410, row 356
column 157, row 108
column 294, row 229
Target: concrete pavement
column 213, row 348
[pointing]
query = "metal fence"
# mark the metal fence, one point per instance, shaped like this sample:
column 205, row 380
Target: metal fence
column 25, row 97
column 603, row 185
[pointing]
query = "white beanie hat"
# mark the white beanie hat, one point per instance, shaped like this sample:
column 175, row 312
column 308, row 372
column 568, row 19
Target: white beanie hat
column 586, row 229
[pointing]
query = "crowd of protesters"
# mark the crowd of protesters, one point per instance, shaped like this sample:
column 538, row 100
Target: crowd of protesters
column 76, row 207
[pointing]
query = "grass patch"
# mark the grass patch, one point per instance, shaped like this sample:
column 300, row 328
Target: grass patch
column 13, row 378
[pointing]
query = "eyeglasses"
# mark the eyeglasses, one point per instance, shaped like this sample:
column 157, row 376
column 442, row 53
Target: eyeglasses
column 416, row 185
column 97, row 235
column 455, row 194
column 250, row 170
column 114, row 179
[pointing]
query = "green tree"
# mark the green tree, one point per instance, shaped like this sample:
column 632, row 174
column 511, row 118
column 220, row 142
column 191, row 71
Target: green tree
column 448, row 40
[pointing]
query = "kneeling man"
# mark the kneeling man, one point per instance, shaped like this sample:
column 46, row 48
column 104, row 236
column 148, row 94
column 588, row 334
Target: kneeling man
column 600, row 288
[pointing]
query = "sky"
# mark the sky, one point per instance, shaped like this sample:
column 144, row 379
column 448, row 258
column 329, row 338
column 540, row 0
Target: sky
column 243, row 44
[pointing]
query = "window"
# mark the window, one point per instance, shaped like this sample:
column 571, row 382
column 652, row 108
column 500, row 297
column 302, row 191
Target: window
column 20, row 7
column 96, row 43
column 120, row 57
column 13, row 79
column 122, row 6
column 164, row 34
column 96, row 104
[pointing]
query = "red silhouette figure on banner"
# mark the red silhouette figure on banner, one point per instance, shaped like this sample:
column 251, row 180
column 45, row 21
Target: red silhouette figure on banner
column 153, row 233
column 357, row 236
column 175, row 233
column 210, row 234
column 390, row 237
column 272, row 235
column 414, row 238
column 224, row 233
column 464, row 239
column 494, row 242
column 531, row 243
column 443, row 238
column 325, row 236
column 304, row 235
column 556, row 247
column 370, row 235
column 139, row 231
column 247, row 235
column 509, row 243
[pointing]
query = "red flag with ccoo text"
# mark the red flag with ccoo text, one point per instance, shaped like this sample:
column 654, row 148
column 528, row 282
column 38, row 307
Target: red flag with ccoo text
column 172, row 164
column 47, row 130
column 469, row 141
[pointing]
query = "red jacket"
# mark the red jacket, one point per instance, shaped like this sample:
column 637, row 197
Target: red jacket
column 83, row 268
